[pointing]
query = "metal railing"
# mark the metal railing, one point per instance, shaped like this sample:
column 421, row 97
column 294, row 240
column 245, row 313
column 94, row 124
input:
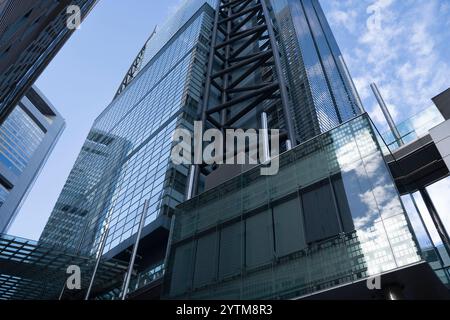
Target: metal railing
column 148, row 276
column 414, row 128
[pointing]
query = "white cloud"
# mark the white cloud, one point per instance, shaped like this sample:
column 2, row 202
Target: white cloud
column 346, row 19
column 445, row 7
column 175, row 7
column 400, row 45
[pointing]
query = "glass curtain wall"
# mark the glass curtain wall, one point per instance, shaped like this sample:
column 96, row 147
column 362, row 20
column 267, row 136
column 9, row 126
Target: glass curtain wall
column 140, row 121
column 331, row 216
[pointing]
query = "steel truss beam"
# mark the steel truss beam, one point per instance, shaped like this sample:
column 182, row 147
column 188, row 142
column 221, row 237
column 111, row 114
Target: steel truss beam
column 244, row 71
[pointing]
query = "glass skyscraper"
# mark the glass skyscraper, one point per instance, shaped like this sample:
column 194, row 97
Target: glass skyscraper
column 322, row 93
column 99, row 162
column 331, row 217
column 135, row 135
column 27, row 136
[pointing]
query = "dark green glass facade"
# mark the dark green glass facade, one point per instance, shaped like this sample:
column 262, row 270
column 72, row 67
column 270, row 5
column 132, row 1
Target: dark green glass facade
column 330, row 217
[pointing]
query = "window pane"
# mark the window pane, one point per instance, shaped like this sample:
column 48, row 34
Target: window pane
column 259, row 239
column 288, row 227
column 320, row 213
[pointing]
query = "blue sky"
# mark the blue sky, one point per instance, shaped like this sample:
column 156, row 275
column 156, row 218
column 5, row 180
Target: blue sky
column 402, row 45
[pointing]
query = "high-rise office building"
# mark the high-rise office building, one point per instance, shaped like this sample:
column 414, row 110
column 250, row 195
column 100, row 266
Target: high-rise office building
column 31, row 34
column 321, row 88
column 27, row 136
column 100, row 162
column 130, row 141
column 126, row 157
column 331, row 217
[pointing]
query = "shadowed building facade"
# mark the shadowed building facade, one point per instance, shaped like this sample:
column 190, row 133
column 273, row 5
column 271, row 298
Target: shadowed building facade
column 31, row 34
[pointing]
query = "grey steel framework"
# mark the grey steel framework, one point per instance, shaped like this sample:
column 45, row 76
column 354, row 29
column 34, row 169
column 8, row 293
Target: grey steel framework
column 387, row 115
column 244, row 70
column 31, row 270
column 437, row 221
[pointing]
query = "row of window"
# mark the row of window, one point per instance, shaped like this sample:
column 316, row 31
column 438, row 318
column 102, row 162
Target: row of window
column 135, row 166
column 3, row 194
column 20, row 136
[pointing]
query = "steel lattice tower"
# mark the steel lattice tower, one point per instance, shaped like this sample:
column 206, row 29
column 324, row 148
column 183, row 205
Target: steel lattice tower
column 244, row 73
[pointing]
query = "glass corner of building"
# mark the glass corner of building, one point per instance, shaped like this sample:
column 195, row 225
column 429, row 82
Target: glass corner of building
column 331, row 216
